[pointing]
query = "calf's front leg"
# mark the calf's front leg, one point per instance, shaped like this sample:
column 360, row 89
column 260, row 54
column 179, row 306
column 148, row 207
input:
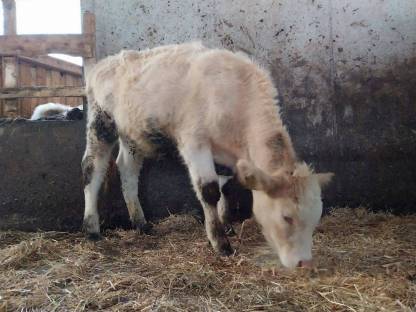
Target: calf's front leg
column 200, row 163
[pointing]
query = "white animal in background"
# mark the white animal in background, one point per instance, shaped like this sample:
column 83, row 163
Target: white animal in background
column 56, row 110
column 217, row 107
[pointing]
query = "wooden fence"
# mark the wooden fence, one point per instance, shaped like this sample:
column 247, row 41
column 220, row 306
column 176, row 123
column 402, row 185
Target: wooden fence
column 28, row 77
column 38, row 72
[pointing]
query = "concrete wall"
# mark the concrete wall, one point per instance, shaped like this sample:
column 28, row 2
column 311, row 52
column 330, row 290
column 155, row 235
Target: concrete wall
column 346, row 71
column 41, row 184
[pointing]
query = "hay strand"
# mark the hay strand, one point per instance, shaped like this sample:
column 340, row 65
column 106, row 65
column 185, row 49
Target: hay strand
column 366, row 262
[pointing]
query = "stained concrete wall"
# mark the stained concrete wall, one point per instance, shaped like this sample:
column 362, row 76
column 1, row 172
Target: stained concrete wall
column 41, row 184
column 346, row 72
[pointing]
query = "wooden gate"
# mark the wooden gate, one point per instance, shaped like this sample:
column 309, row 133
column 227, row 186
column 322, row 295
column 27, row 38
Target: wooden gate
column 29, row 77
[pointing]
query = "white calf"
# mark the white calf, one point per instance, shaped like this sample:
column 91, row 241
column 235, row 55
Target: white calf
column 53, row 109
column 216, row 106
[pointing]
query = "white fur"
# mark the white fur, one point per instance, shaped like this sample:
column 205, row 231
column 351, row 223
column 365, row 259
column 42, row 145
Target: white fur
column 41, row 111
column 129, row 166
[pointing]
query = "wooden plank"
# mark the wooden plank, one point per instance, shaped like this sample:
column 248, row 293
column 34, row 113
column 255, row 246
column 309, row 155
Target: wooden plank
column 69, row 83
column 10, row 80
column 25, row 107
column 9, row 13
column 48, row 84
column 35, row 45
column 59, row 64
column 1, row 71
column 33, row 101
column 69, row 80
column 10, row 108
column 10, row 72
column 41, row 81
column 25, row 75
column 25, row 80
column 49, row 78
column 51, row 63
column 39, row 92
column 56, row 78
column 1, row 84
column 88, row 28
column 40, row 76
column 78, row 82
column 56, row 82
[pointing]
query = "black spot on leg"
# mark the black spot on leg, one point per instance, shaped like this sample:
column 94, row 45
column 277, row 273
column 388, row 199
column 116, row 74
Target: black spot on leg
column 228, row 189
column 105, row 127
column 240, row 200
column 211, row 193
column 87, row 166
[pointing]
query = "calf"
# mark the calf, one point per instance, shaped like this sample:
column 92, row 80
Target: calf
column 57, row 111
column 217, row 107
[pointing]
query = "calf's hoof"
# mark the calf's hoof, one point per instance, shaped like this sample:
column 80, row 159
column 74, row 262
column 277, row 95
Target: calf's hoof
column 145, row 228
column 93, row 236
column 229, row 230
column 91, row 228
column 223, row 247
column 226, row 250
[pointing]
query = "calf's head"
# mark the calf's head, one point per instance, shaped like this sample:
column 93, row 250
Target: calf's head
column 288, row 206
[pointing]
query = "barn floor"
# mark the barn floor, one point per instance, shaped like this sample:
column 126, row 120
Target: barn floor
column 366, row 263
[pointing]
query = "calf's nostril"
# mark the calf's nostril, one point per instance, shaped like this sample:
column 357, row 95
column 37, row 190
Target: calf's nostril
column 305, row 264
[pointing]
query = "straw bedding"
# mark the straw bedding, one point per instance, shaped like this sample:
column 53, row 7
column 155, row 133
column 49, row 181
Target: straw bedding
column 366, row 262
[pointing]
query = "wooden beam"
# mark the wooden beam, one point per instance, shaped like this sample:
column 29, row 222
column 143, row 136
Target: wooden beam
column 9, row 13
column 51, row 62
column 88, row 28
column 88, row 23
column 10, row 80
column 10, row 72
column 35, row 45
column 39, row 92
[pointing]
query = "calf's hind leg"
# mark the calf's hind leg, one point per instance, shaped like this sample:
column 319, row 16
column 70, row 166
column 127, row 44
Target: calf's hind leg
column 129, row 164
column 200, row 163
column 101, row 135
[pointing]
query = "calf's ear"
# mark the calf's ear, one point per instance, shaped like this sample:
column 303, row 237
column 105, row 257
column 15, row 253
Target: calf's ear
column 324, row 178
column 254, row 178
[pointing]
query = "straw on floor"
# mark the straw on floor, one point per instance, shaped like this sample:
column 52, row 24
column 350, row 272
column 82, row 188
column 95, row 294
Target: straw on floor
column 366, row 262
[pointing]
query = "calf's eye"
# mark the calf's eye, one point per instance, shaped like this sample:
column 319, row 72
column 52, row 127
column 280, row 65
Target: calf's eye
column 288, row 220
